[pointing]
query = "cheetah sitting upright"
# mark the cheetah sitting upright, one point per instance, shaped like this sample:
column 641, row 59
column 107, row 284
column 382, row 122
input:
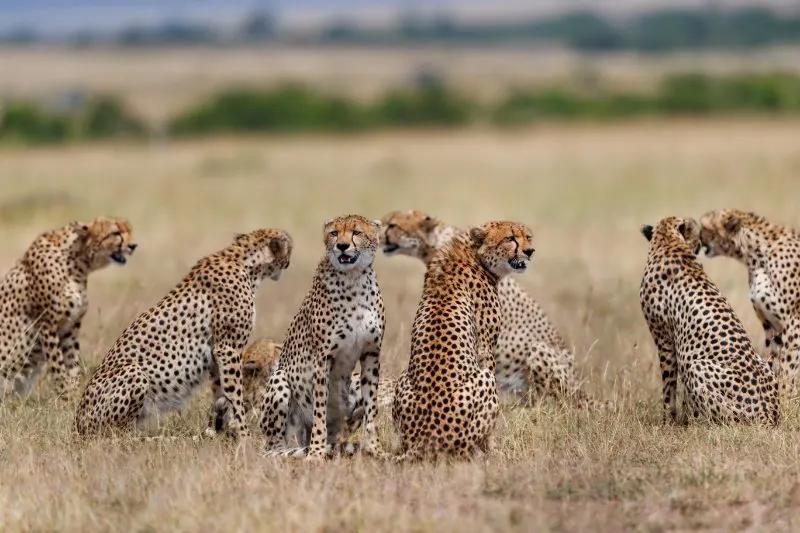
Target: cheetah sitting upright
column 44, row 298
column 446, row 400
column 699, row 338
column 340, row 321
column 533, row 361
column 198, row 330
column 771, row 253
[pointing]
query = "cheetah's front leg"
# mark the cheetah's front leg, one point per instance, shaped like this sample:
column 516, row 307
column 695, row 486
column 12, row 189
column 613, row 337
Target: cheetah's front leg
column 785, row 365
column 319, row 428
column 669, row 370
column 370, row 376
column 229, row 364
column 51, row 344
column 220, row 412
column 70, row 348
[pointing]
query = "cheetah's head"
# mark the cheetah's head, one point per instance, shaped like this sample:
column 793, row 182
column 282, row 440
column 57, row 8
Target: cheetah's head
column 719, row 231
column 258, row 363
column 351, row 242
column 407, row 233
column 267, row 251
column 503, row 247
column 674, row 229
column 105, row 240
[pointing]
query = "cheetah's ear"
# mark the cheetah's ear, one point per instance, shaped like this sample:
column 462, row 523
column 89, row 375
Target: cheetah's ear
column 81, row 228
column 378, row 224
column 732, row 224
column 647, row 231
column 238, row 236
column 278, row 245
column 689, row 229
column 327, row 223
column 429, row 223
column 478, row 235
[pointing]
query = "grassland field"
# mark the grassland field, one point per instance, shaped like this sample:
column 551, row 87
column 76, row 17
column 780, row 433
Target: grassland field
column 584, row 189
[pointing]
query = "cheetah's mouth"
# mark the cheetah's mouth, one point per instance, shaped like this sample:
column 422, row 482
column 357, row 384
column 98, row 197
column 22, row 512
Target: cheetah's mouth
column 118, row 258
column 390, row 248
column 345, row 259
column 518, row 264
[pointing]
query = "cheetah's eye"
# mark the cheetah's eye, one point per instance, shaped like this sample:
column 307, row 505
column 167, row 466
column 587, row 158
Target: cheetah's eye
column 391, row 225
column 333, row 233
column 356, row 233
column 511, row 239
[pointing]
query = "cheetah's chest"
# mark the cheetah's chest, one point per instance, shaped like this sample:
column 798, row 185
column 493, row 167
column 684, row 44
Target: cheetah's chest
column 354, row 334
column 76, row 301
column 764, row 298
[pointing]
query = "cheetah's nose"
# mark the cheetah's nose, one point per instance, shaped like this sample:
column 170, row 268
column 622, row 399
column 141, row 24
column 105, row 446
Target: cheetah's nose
column 132, row 247
column 342, row 246
column 528, row 252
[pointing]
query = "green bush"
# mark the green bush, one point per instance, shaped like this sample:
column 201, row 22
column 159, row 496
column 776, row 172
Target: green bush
column 522, row 106
column 24, row 122
column 434, row 105
column 106, row 118
column 700, row 93
column 287, row 108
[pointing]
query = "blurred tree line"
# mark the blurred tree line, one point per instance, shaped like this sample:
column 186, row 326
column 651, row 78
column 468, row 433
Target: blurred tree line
column 660, row 30
column 294, row 107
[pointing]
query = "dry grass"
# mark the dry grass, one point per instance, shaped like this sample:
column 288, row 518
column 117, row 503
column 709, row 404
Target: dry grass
column 160, row 82
column 584, row 189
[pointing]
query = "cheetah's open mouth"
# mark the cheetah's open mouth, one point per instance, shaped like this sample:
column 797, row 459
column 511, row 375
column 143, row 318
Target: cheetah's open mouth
column 118, row 258
column 345, row 259
column 518, row 264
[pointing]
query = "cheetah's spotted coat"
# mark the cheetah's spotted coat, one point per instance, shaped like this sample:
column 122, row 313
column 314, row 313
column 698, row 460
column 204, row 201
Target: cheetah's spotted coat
column 43, row 299
column 198, row 330
column 700, row 340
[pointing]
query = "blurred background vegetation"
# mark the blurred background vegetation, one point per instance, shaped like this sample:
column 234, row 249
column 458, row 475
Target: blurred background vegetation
column 429, row 99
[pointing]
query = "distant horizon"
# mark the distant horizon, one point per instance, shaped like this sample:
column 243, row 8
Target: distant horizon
column 54, row 17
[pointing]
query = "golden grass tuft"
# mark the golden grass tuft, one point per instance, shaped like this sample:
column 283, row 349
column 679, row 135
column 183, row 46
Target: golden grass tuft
column 584, row 189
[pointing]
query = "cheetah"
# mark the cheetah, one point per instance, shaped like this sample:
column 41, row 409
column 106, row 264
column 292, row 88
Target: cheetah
column 340, row 321
column 533, row 360
column 446, row 400
column 260, row 360
column 44, row 299
column 195, row 333
column 771, row 253
column 700, row 340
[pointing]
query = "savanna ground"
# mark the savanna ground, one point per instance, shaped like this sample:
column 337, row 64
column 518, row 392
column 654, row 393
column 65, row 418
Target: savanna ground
column 584, row 189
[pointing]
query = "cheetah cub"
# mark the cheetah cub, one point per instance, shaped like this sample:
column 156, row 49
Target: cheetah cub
column 700, row 340
column 44, row 299
column 198, row 330
column 340, row 322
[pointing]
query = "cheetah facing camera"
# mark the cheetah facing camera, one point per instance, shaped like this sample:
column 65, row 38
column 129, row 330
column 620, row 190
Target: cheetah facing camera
column 198, row 330
column 45, row 298
column 699, row 338
column 533, row 361
column 446, row 400
column 771, row 253
column 340, row 321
